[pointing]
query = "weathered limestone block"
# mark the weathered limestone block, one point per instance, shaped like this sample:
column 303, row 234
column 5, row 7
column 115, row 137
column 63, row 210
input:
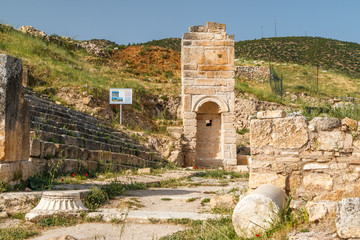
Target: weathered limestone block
column 290, row 132
column 348, row 218
column 223, row 201
column 255, row 212
column 260, row 134
column 325, row 124
column 313, row 182
column 258, row 179
column 271, row 114
column 57, row 202
column 334, row 140
column 320, row 210
column 281, row 133
column 14, row 112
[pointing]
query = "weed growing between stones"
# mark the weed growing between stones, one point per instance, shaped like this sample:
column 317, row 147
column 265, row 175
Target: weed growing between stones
column 222, row 228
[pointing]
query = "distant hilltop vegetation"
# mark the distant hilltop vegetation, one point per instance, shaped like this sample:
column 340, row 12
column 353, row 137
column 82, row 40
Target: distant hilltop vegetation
column 323, row 52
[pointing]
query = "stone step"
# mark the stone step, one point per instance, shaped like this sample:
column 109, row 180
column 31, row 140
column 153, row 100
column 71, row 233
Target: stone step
column 92, row 151
column 65, row 166
column 109, row 139
column 84, row 142
column 51, row 116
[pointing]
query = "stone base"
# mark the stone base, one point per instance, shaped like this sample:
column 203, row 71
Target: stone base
column 57, row 202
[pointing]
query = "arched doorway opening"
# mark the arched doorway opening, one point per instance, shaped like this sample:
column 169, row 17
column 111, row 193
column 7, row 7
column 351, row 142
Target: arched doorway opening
column 208, row 135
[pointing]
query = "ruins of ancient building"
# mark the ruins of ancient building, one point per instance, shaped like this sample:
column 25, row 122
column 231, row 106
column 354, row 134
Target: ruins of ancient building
column 309, row 159
column 208, row 71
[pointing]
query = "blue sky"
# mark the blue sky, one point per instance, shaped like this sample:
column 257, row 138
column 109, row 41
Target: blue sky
column 128, row 21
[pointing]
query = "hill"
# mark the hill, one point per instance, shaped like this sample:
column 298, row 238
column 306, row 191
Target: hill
column 316, row 51
column 323, row 52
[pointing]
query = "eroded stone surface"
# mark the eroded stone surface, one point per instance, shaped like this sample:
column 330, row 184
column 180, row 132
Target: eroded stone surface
column 348, row 218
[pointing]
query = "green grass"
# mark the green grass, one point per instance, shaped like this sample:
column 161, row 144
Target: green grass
column 166, row 199
column 16, row 233
column 222, row 174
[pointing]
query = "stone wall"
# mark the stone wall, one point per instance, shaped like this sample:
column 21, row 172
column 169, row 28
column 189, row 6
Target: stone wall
column 317, row 159
column 207, row 63
column 252, row 72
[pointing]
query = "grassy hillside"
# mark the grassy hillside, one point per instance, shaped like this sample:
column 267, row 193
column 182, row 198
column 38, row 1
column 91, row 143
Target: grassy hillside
column 53, row 66
column 170, row 43
column 327, row 53
column 316, row 51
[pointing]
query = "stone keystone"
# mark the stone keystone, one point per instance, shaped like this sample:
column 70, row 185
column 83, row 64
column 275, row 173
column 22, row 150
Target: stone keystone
column 57, row 202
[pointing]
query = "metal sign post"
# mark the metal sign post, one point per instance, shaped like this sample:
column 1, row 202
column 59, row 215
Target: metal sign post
column 120, row 113
column 120, row 96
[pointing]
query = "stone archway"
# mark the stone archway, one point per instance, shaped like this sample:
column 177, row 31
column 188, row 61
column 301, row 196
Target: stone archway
column 208, row 150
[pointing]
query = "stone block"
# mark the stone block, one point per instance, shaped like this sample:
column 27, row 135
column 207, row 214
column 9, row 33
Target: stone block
column 325, row 123
column 348, row 218
column 35, row 149
column 48, row 150
column 260, row 133
column 193, row 55
column 199, row 90
column 39, row 165
column 258, row 179
column 210, row 82
column 222, row 201
column 221, row 74
column 320, row 210
column 89, row 165
column 5, row 172
column 191, row 66
column 271, row 114
column 333, row 140
column 186, row 103
column 70, row 166
column 315, row 166
column 198, row 36
column 216, row 57
column 313, row 182
column 27, row 170
column 216, row 27
column 290, row 133
column 216, row 68
column 14, row 112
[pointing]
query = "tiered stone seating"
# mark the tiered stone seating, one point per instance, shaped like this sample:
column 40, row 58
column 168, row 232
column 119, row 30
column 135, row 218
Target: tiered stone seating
column 76, row 141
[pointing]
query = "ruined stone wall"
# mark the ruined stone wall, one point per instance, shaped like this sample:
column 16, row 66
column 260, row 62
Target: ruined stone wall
column 207, row 63
column 317, row 160
column 252, row 72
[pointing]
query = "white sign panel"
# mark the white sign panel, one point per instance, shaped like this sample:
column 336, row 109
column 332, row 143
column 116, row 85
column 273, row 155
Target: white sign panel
column 120, row 95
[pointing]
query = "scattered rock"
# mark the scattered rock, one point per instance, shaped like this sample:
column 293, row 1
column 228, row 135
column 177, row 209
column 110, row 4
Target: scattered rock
column 144, row 170
column 223, row 201
column 3, row 214
column 325, row 123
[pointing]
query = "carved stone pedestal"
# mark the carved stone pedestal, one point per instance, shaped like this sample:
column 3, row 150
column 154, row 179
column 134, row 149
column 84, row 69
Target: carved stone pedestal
column 57, row 202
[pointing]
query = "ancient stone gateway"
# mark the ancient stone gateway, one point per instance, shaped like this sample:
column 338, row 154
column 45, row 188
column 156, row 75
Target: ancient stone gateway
column 208, row 82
